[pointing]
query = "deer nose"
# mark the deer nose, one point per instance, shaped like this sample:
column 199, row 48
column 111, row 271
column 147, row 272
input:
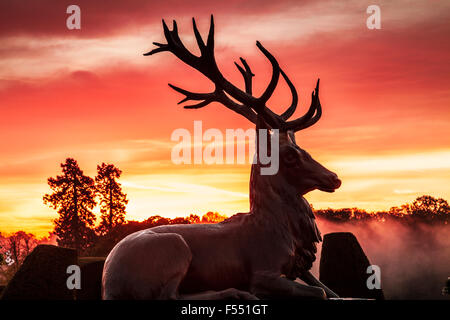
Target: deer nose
column 336, row 181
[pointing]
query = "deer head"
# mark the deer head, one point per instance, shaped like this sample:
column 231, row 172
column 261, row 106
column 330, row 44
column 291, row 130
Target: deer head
column 297, row 167
column 301, row 171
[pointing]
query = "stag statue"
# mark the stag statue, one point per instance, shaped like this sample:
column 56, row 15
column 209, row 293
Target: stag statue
column 254, row 255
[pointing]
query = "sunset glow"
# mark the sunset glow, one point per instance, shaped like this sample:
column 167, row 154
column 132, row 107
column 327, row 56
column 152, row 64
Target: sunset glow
column 90, row 94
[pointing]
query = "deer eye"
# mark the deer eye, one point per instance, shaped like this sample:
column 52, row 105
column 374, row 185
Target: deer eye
column 291, row 157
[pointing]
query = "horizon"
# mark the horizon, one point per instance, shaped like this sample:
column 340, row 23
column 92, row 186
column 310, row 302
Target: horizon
column 49, row 234
column 90, row 94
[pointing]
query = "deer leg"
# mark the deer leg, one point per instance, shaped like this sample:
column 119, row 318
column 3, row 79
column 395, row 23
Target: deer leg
column 309, row 278
column 146, row 266
column 227, row 294
column 273, row 286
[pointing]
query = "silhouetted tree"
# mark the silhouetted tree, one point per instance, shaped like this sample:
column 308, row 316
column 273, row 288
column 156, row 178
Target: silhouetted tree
column 2, row 249
column 430, row 209
column 337, row 215
column 213, row 217
column 112, row 199
column 29, row 242
column 400, row 212
column 74, row 198
column 16, row 247
column 154, row 221
column 193, row 218
column 179, row 220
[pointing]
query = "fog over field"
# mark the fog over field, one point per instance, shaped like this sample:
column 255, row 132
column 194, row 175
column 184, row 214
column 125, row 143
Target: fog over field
column 414, row 258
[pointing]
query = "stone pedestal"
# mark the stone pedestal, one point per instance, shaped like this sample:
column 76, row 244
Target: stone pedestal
column 42, row 275
column 343, row 267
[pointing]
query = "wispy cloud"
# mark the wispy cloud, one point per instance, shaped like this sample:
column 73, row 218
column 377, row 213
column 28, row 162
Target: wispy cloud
column 194, row 189
column 396, row 163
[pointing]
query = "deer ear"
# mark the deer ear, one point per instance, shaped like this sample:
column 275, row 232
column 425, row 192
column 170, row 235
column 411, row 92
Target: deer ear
column 283, row 137
column 291, row 135
column 261, row 124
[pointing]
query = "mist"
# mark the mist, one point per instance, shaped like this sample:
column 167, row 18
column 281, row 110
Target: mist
column 414, row 258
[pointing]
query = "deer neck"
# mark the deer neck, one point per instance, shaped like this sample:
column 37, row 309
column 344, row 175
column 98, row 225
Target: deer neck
column 274, row 201
column 279, row 211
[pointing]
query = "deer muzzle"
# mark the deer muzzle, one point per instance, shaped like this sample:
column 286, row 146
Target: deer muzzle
column 332, row 182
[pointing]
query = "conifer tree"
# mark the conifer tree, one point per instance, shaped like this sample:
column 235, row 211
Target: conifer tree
column 74, row 198
column 112, row 199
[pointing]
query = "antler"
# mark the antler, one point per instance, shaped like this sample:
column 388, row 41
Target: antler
column 248, row 106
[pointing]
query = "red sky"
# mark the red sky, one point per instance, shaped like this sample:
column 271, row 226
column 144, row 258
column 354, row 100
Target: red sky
column 91, row 95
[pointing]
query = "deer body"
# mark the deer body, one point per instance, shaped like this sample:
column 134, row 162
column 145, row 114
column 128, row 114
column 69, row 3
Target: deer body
column 277, row 237
column 224, row 255
column 248, row 256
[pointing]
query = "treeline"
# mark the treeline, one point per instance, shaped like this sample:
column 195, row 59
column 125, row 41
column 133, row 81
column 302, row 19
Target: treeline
column 425, row 209
column 15, row 247
column 105, row 243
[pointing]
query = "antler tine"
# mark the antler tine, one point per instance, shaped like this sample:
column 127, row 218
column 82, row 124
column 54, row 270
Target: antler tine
column 198, row 37
column 275, row 74
column 247, row 74
column 210, row 41
column 174, row 27
column 173, row 44
column 176, row 46
column 239, row 108
column 311, row 121
column 206, row 63
column 289, row 111
column 192, row 95
column 215, row 96
column 309, row 118
column 166, row 30
column 172, row 36
column 162, row 47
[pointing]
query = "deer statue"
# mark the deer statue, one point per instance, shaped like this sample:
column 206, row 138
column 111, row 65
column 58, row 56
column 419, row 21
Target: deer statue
column 255, row 255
